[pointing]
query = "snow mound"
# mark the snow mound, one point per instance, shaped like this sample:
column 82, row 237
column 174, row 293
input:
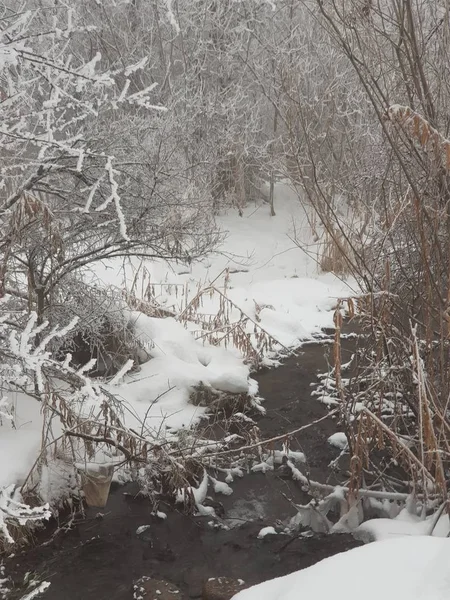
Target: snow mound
column 291, row 310
column 403, row 524
column 412, row 568
column 266, row 531
column 338, row 440
column 158, row 395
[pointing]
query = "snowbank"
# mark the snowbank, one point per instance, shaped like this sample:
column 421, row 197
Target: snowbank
column 291, row 310
column 405, row 524
column 413, row 568
column 338, row 440
column 157, row 396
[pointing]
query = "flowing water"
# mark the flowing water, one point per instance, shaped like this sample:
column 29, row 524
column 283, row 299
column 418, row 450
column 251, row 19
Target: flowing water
column 101, row 556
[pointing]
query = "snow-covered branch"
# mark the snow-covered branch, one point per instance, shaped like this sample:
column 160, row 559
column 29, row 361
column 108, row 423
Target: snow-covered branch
column 12, row 510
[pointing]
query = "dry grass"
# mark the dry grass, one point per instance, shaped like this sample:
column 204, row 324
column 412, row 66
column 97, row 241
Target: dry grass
column 229, row 326
column 335, row 254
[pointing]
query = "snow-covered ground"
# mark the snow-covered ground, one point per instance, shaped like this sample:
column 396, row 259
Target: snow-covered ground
column 271, row 282
column 157, row 396
column 271, row 278
column 408, row 568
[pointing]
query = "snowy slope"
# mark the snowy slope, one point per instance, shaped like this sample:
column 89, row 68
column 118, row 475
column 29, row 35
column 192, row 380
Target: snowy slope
column 408, row 568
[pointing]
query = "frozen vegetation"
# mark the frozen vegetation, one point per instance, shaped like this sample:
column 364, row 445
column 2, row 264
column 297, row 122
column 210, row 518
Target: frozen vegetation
column 190, row 191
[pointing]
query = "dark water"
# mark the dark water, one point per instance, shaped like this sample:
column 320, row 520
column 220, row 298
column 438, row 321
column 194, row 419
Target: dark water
column 101, row 557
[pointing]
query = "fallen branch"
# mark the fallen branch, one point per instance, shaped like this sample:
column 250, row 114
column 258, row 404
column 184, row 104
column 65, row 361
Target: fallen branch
column 362, row 492
column 274, row 439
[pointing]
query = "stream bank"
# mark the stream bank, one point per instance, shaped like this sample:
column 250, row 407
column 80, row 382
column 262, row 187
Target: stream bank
column 101, row 556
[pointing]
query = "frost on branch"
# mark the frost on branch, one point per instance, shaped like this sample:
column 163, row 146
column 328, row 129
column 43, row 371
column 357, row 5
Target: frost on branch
column 55, row 99
column 12, row 510
column 33, row 356
column 5, row 410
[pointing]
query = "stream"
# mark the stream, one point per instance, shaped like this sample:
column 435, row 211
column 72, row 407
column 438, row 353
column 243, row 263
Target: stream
column 101, row 557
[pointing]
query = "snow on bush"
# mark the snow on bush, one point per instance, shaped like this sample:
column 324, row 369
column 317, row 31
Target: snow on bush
column 12, row 510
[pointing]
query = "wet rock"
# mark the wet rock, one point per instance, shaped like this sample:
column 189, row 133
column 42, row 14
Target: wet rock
column 222, row 588
column 147, row 588
column 145, row 534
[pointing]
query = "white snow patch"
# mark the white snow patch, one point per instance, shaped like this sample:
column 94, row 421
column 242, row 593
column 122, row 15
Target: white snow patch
column 160, row 515
column 40, row 589
column 198, row 494
column 220, row 487
column 142, row 528
column 405, row 524
column 266, row 531
column 158, row 395
column 20, row 441
column 412, row 568
column 338, row 440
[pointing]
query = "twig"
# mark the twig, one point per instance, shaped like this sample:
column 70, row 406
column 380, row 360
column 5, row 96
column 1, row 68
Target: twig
column 274, row 439
column 398, row 441
column 101, row 440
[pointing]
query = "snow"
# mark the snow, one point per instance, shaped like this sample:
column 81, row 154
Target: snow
column 12, row 508
column 198, row 494
column 20, row 441
column 405, row 524
column 40, row 589
column 161, row 515
column 271, row 279
column 221, row 487
column 412, row 568
column 279, row 288
column 266, row 531
column 338, row 440
column 142, row 528
column 158, row 395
